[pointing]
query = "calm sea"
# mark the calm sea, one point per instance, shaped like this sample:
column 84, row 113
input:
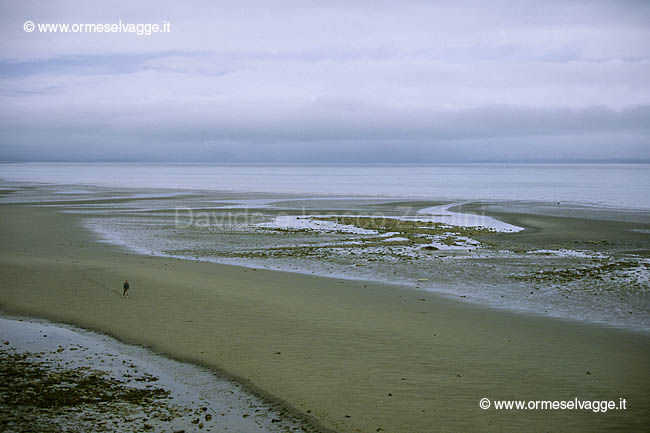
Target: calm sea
column 612, row 185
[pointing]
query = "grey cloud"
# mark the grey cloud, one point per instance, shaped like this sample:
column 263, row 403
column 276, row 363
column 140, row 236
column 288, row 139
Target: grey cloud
column 489, row 133
column 335, row 81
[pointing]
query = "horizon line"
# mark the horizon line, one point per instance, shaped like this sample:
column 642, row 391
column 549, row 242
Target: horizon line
column 513, row 161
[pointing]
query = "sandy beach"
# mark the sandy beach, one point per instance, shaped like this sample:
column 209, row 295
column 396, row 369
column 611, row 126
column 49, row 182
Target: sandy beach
column 345, row 355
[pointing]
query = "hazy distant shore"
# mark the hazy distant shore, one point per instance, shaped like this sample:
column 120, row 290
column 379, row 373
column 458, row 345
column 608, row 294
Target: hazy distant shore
column 350, row 355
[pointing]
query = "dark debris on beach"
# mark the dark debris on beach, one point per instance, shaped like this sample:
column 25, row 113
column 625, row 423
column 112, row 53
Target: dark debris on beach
column 37, row 396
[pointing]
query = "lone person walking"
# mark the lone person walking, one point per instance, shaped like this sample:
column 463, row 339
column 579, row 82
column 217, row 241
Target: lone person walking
column 126, row 289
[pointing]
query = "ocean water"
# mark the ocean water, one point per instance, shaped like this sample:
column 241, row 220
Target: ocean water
column 609, row 185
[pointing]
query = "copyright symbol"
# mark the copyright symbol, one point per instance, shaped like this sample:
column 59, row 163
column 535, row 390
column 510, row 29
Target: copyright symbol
column 484, row 403
column 28, row 26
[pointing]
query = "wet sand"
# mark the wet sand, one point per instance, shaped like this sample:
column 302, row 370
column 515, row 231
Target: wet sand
column 348, row 355
column 60, row 378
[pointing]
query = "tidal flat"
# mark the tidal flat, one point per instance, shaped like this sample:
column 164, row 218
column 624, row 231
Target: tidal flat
column 400, row 337
column 564, row 260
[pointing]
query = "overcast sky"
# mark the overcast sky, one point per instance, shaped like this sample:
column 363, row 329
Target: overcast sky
column 328, row 81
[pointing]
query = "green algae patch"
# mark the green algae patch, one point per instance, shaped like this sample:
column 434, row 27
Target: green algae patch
column 51, row 398
column 417, row 232
column 599, row 271
column 385, row 237
column 405, row 227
